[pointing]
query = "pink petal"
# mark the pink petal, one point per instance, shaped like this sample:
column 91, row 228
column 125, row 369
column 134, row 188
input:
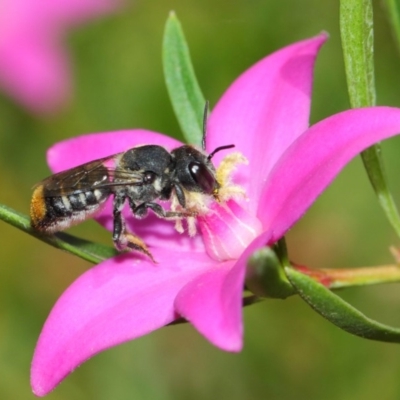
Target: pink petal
column 227, row 230
column 313, row 161
column 214, row 307
column 265, row 110
column 116, row 301
column 212, row 301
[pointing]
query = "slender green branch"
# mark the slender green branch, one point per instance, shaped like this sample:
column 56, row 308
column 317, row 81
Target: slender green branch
column 85, row 249
column 350, row 277
column 356, row 26
column 282, row 252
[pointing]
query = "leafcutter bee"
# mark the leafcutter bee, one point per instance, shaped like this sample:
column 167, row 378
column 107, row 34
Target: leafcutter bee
column 140, row 176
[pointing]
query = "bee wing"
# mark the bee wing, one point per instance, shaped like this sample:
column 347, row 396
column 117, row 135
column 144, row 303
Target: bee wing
column 89, row 176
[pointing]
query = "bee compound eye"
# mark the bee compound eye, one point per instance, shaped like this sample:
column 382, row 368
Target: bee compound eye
column 149, row 177
column 202, row 176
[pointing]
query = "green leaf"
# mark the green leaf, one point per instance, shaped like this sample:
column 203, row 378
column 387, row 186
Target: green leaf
column 337, row 311
column 89, row 251
column 356, row 28
column 187, row 99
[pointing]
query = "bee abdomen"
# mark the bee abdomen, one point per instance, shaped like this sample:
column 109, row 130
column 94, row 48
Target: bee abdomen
column 56, row 213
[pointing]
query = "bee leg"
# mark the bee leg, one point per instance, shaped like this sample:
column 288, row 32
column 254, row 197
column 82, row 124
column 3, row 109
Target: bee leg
column 180, row 195
column 141, row 210
column 119, row 224
column 122, row 239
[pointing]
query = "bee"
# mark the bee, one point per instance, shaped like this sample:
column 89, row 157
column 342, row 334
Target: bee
column 140, row 176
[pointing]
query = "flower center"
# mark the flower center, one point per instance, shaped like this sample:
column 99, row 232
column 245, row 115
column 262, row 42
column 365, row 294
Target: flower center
column 227, row 230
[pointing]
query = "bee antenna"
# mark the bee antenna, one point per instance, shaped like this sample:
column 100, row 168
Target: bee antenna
column 211, row 155
column 205, row 118
column 203, row 143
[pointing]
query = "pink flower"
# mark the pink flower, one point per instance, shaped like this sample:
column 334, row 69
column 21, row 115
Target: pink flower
column 34, row 68
column 265, row 114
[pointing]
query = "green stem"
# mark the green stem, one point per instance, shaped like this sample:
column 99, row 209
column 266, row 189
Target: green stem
column 350, row 277
column 356, row 26
column 87, row 250
column 282, row 252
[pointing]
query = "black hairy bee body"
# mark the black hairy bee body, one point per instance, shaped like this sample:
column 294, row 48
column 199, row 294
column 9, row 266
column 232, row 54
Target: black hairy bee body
column 140, row 177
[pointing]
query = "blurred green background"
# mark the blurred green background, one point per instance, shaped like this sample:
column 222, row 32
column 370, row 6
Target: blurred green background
column 290, row 352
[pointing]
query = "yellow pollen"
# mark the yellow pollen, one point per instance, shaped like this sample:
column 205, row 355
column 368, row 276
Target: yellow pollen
column 224, row 172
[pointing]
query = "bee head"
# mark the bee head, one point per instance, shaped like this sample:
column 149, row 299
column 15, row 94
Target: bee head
column 194, row 170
